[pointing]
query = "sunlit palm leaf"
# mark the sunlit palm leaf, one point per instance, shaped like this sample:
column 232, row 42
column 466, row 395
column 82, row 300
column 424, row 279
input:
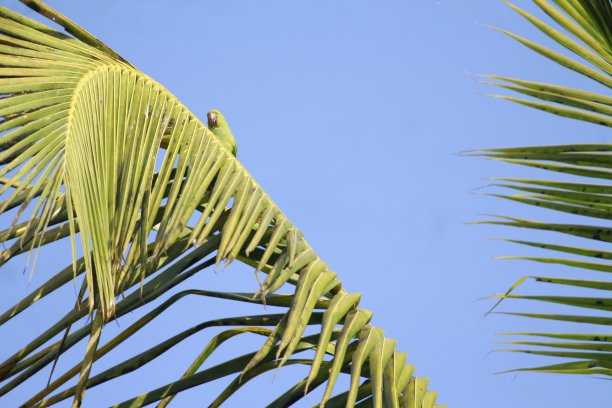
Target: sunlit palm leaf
column 82, row 132
column 584, row 29
column 585, row 32
column 585, row 200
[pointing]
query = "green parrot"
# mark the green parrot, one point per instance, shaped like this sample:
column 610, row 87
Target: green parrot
column 218, row 125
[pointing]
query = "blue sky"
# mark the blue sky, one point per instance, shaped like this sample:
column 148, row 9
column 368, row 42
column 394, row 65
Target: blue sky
column 350, row 114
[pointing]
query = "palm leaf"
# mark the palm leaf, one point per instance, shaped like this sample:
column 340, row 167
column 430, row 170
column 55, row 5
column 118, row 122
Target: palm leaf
column 95, row 152
column 583, row 28
column 585, row 33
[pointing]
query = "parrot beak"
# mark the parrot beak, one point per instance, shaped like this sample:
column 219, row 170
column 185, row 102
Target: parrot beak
column 212, row 119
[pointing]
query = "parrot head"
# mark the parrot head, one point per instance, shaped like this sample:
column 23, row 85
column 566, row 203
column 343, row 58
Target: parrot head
column 215, row 119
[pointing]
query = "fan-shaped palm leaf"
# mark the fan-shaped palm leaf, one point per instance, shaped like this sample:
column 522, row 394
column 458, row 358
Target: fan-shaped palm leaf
column 82, row 132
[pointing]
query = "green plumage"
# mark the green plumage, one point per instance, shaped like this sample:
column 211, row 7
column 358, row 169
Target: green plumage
column 218, row 125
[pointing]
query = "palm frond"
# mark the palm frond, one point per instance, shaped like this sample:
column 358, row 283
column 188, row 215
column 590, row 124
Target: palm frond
column 587, row 199
column 82, row 133
column 583, row 29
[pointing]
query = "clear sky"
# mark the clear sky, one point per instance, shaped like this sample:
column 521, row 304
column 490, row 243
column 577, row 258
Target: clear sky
column 350, row 114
